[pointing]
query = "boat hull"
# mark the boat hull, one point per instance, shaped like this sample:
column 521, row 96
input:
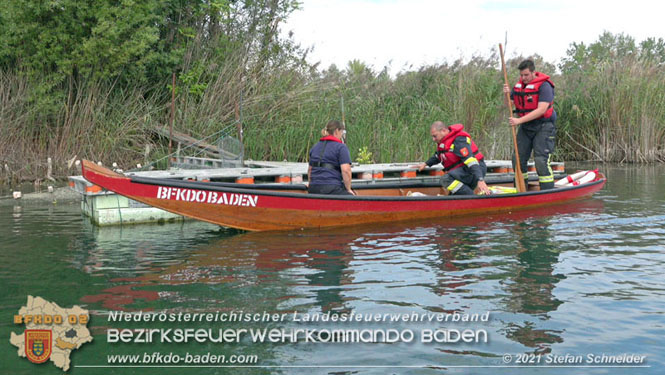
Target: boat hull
column 260, row 210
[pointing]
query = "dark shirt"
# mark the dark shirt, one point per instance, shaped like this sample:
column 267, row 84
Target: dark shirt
column 545, row 94
column 335, row 153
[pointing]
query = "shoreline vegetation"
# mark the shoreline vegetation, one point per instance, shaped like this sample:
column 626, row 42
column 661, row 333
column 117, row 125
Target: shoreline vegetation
column 93, row 81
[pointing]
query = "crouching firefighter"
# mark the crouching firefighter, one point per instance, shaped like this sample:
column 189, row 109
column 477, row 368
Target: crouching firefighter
column 461, row 160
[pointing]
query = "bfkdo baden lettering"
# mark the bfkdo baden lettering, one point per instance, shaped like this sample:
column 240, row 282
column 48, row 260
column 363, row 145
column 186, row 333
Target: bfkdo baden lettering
column 205, row 196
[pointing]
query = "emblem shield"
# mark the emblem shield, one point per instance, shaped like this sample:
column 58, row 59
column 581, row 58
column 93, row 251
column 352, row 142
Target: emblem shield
column 38, row 344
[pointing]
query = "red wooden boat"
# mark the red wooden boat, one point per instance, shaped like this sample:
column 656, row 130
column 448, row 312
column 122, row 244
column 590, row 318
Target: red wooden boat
column 286, row 207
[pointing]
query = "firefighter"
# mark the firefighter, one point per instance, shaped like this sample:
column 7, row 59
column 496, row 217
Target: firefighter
column 533, row 96
column 461, row 159
column 330, row 163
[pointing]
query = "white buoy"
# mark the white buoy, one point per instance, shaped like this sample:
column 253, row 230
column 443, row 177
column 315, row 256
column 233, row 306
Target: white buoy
column 17, row 195
column 99, row 163
column 71, row 161
column 115, row 165
column 49, row 169
column 138, row 165
column 78, row 162
column 577, row 179
column 50, row 189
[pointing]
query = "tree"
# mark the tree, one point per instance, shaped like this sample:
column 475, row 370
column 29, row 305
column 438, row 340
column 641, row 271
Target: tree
column 71, row 39
column 611, row 47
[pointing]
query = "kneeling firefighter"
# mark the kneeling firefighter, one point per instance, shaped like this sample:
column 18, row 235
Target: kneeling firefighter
column 460, row 157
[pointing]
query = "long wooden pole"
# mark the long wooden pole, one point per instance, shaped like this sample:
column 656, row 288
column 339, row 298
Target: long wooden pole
column 343, row 120
column 172, row 117
column 519, row 179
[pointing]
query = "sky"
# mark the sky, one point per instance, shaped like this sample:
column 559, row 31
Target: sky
column 407, row 34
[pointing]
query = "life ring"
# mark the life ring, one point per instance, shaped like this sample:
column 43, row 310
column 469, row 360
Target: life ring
column 577, row 178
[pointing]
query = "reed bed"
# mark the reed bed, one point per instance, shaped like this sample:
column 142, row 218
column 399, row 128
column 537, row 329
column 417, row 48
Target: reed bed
column 614, row 113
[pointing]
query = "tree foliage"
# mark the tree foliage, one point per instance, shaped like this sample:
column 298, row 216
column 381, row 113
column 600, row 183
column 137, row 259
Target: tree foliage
column 76, row 59
column 138, row 41
column 612, row 47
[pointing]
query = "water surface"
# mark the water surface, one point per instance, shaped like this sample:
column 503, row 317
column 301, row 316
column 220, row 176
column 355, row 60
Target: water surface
column 577, row 279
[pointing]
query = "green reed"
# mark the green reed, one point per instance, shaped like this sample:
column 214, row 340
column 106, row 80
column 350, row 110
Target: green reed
column 613, row 112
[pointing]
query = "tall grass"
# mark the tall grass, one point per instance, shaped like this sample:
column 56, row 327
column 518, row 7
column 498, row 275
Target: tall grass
column 97, row 121
column 389, row 116
column 615, row 112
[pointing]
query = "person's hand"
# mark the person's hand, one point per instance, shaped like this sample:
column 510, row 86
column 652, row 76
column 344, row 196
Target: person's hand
column 352, row 192
column 506, row 89
column 514, row 121
column 484, row 189
column 420, row 166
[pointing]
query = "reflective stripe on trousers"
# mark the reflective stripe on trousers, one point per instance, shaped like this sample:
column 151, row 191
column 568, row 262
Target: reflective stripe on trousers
column 454, row 186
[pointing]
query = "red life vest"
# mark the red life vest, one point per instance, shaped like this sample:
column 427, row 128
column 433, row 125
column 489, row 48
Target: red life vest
column 525, row 96
column 448, row 158
column 330, row 138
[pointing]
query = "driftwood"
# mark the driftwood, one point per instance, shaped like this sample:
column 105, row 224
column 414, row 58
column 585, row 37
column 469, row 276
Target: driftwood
column 189, row 141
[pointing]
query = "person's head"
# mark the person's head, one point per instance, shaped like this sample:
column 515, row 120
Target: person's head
column 527, row 71
column 336, row 129
column 438, row 130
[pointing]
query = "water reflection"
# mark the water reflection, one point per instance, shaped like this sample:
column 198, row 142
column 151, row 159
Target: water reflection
column 531, row 289
column 445, row 266
column 581, row 278
column 123, row 254
column 518, row 250
column 16, row 212
column 535, row 279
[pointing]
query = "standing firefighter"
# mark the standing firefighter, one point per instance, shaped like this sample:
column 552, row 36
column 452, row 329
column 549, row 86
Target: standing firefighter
column 533, row 96
column 460, row 157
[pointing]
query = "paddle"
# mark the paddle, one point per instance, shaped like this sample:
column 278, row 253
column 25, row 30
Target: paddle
column 519, row 179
